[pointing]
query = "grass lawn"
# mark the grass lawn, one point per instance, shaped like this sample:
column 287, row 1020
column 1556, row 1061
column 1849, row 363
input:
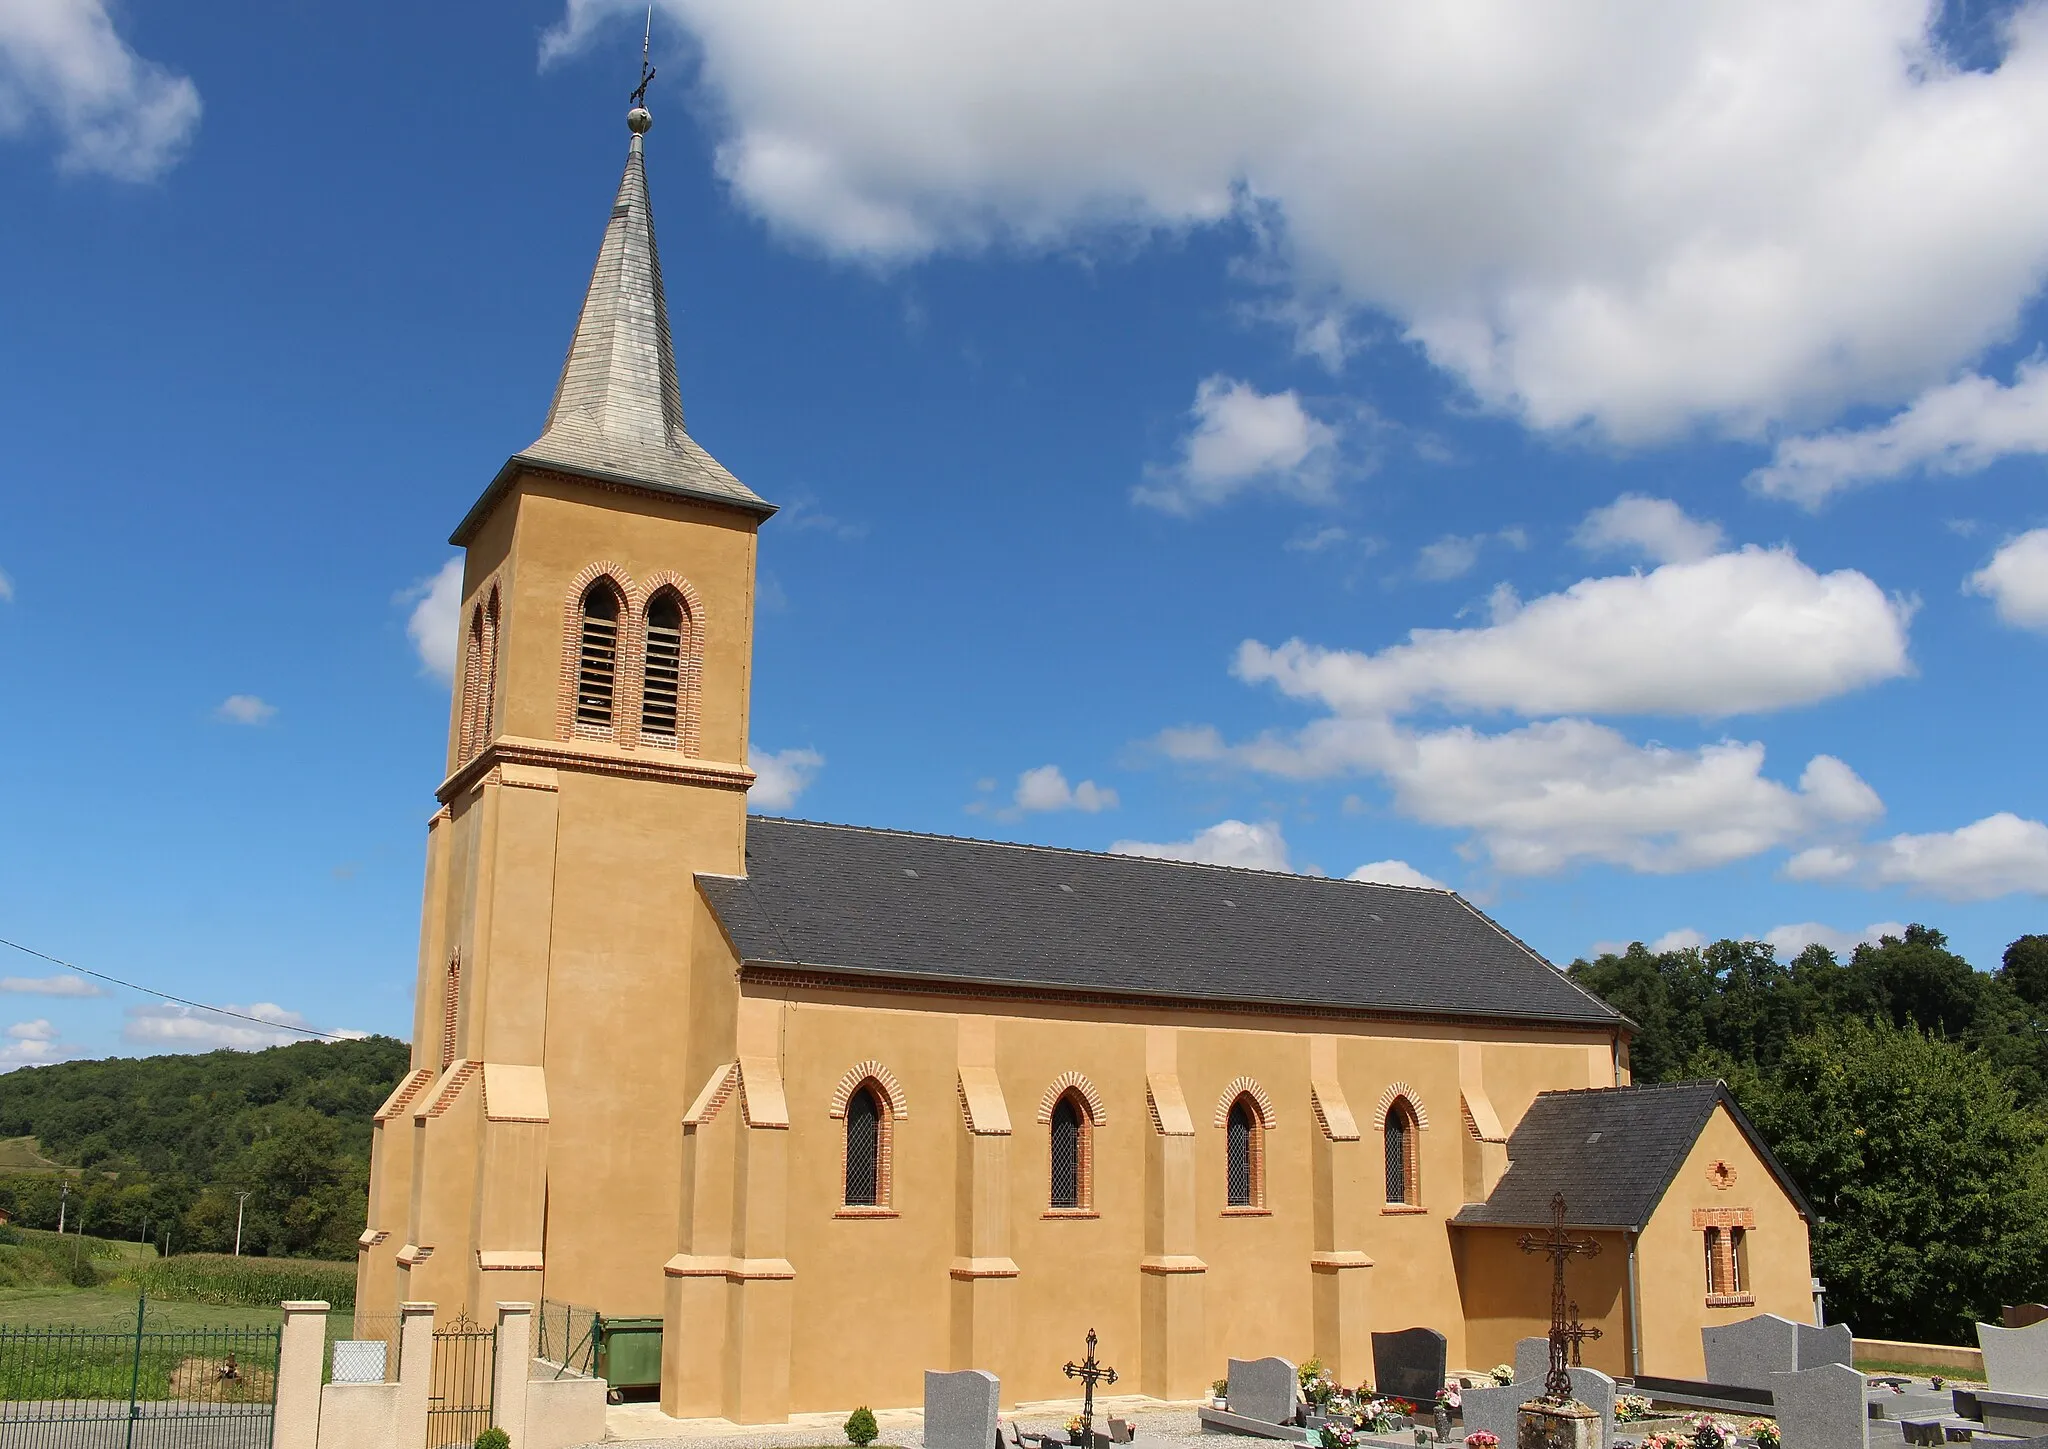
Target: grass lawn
column 1915, row 1370
column 112, row 1310
column 19, row 1154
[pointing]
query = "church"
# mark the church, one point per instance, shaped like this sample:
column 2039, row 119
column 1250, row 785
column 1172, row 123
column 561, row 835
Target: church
column 842, row 1104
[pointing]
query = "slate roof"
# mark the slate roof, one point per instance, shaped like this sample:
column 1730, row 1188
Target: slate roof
column 922, row 909
column 1612, row 1151
column 617, row 413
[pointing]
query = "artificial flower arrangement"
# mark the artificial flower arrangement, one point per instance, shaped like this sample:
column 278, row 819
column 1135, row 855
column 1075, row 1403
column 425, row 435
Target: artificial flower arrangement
column 1502, row 1374
column 1662, row 1439
column 1764, row 1431
column 1377, row 1416
column 1707, row 1432
column 1335, row 1436
column 1481, row 1439
column 1450, row 1398
column 1630, row 1407
column 1074, row 1428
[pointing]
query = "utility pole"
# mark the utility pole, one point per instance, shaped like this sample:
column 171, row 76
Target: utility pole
column 241, row 1201
column 63, row 1202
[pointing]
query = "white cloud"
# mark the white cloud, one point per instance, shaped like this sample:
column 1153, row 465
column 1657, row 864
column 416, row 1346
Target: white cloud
column 1751, row 630
column 435, row 623
column 63, row 66
column 1789, row 941
column 51, row 986
column 1450, row 557
column 1654, row 527
column 1397, row 873
column 31, row 1043
column 1228, row 842
column 6, row 588
column 1640, row 215
column 37, row 1030
column 779, row 777
column 244, row 709
column 1822, row 862
column 1046, row 788
column 1244, row 439
column 2016, row 580
column 184, row 1028
column 1958, row 427
column 1999, row 855
column 1685, row 938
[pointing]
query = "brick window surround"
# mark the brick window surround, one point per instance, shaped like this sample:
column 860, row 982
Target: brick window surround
column 1244, row 1163
column 629, row 667
column 1726, row 1254
column 1403, row 1129
column 478, row 714
column 1071, row 1112
column 883, row 1089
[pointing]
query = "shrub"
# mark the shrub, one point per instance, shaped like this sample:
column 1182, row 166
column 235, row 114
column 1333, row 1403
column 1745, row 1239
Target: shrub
column 493, row 1439
column 226, row 1281
column 861, row 1428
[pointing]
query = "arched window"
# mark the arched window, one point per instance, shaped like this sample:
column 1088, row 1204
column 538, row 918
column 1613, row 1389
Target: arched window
column 1244, row 1147
column 1073, row 1155
column 865, row 1126
column 661, row 687
column 597, row 661
column 472, row 682
column 487, row 705
column 1403, row 1155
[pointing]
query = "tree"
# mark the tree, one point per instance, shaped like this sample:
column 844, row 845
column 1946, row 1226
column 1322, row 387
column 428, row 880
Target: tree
column 1929, row 1176
column 2025, row 970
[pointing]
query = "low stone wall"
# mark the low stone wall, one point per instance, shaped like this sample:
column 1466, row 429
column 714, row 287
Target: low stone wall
column 362, row 1416
column 1966, row 1361
column 563, row 1407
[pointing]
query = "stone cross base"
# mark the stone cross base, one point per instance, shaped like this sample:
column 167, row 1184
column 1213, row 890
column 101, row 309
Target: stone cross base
column 1541, row 1425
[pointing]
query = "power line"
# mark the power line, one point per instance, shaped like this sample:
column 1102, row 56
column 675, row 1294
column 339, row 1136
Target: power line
column 166, row 996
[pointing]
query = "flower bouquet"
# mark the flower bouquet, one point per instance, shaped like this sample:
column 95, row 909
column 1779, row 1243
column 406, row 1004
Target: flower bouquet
column 1630, row 1407
column 1707, row 1432
column 1764, row 1432
column 1450, row 1398
column 1502, row 1374
column 1335, row 1436
column 1480, row 1439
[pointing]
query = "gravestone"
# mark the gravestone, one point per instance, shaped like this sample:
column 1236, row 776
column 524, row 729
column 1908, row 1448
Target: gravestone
column 1832, row 1344
column 2025, row 1315
column 2015, row 1359
column 359, row 1360
column 960, row 1409
column 1746, row 1354
column 1494, row 1409
column 1409, row 1365
column 1266, row 1389
column 1532, row 1362
column 1596, row 1391
column 1821, row 1408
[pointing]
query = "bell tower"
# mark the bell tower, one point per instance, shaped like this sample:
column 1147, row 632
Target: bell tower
column 596, row 760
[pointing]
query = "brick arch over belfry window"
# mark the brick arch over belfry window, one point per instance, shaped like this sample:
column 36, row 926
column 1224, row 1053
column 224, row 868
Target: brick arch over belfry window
column 668, row 664
column 479, row 673
column 597, row 658
column 1070, row 1111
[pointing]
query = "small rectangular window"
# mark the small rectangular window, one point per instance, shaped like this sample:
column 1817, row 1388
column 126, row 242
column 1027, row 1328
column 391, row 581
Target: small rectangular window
column 1738, row 1260
column 1713, row 1241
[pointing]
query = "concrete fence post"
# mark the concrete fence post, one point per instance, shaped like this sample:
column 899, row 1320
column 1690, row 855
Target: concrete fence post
column 296, row 1422
column 514, row 1369
column 415, row 1373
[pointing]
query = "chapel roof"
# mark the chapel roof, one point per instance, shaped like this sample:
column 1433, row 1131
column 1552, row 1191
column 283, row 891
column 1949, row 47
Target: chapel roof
column 892, row 907
column 617, row 413
column 1612, row 1152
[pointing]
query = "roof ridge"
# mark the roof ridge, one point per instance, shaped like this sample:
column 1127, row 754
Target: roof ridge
column 1119, row 855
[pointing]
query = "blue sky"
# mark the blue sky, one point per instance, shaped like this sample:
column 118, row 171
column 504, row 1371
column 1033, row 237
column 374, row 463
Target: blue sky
column 1594, row 462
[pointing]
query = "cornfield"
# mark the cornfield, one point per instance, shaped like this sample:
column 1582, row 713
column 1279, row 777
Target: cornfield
column 218, row 1278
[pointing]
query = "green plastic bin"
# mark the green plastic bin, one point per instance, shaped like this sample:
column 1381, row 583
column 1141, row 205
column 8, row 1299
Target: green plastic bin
column 629, row 1354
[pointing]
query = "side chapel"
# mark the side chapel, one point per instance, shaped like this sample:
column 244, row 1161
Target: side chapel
column 843, row 1104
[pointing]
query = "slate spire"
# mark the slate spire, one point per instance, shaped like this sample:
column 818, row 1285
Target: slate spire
column 617, row 413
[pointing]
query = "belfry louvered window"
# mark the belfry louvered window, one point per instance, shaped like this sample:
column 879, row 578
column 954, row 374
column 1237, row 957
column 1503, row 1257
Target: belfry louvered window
column 597, row 662
column 1401, row 1154
column 863, row 1149
column 1241, row 1145
column 1067, row 1148
column 661, row 690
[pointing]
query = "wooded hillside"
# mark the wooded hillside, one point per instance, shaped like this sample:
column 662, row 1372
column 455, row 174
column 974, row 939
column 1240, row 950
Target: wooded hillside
column 167, row 1142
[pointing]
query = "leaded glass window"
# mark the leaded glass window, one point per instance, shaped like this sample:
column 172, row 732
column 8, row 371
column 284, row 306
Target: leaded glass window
column 1399, row 1186
column 1066, row 1154
column 1240, row 1129
column 863, row 1149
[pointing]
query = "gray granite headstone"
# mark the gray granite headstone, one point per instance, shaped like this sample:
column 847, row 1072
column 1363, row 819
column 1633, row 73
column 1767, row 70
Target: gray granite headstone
column 1494, row 1409
column 1821, row 1408
column 1596, row 1391
column 960, row 1409
column 1832, row 1344
column 1409, row 1365
column 1265, row 1389
column 1746, row 1354
column 1532, row 1362
column 2015, row 1359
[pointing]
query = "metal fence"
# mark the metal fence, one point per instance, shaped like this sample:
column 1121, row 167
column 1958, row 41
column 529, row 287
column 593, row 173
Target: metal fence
column 567, row 1335
column 65, row 1388
column 459, row 1402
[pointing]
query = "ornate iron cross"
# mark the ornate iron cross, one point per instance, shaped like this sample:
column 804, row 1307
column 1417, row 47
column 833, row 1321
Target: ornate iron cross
column 1558, row 1245
column 1090, row 1373
column 1576, row 1333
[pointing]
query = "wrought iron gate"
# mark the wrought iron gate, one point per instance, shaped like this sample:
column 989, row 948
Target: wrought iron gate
column 465, row 1367
column 64, row 1388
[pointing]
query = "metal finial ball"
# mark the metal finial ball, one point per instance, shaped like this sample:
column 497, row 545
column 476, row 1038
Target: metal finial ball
column 638, row 120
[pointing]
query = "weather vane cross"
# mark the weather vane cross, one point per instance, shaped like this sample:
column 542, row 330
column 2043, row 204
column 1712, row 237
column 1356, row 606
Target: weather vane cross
column 1566, row 1332
column 639, row 96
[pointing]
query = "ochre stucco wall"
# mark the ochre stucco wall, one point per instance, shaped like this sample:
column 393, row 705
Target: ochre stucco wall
column 1507, row 1296
column 1674, row 1278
